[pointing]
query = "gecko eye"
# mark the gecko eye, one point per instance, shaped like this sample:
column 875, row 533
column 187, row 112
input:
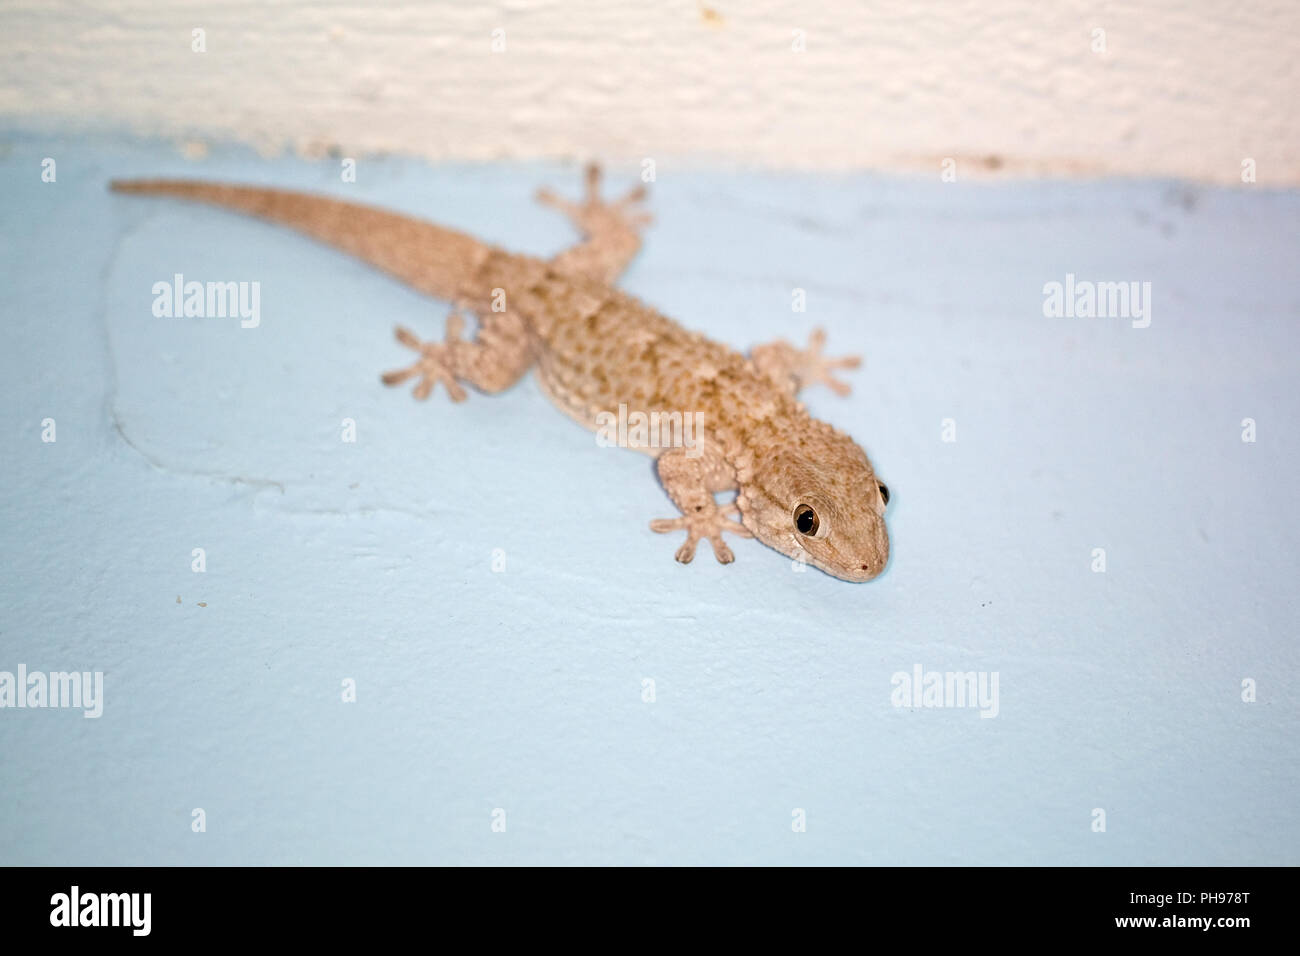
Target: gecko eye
column 884, row 491
column 805, row 519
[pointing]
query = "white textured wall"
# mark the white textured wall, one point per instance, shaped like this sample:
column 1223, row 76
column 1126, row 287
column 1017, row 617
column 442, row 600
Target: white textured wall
column 1185, row 87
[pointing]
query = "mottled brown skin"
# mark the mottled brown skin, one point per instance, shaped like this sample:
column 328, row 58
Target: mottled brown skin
column 595, row 348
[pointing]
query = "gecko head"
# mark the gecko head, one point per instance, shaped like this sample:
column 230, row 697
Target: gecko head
column 816, row 497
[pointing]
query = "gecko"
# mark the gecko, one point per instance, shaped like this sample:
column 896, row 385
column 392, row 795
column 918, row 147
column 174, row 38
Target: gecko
column 803, row 487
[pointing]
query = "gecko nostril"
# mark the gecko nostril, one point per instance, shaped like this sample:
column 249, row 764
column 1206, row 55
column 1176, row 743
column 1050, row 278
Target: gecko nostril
column 866, row 568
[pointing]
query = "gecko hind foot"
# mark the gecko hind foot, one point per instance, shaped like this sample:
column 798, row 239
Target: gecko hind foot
column 435, row 363
column 799, row 368
column 611, row 230
column 705, row 523
column 595, row 215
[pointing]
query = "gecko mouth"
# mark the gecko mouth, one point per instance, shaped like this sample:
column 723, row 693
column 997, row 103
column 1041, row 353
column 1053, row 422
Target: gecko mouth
column 867, row 564
column 860, row 570
column 850, row 571
column 843, row 568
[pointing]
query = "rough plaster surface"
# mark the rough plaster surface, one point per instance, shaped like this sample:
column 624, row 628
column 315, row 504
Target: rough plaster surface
column 523, row 689
column 1186, row 88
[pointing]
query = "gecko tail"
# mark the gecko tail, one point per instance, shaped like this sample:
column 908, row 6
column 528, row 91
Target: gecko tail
column 436, row 261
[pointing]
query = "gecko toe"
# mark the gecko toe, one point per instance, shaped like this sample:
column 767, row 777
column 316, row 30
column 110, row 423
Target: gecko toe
column 704, row 522
column 433, row 365
column 398, row 376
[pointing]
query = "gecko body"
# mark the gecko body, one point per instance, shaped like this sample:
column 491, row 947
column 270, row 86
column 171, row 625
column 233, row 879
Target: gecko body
column 802, row 486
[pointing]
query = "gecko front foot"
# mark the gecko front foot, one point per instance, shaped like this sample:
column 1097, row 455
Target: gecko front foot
column 435, row 363
column 706, row 522
column 799, row 368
